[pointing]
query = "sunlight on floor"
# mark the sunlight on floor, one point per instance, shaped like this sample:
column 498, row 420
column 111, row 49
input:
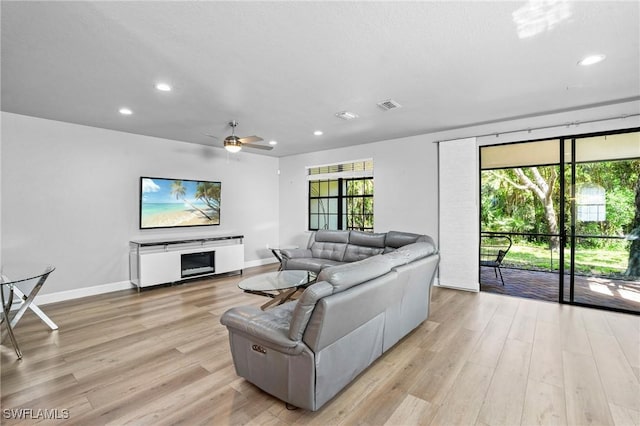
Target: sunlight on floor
column 600, row 288
column 630, row 295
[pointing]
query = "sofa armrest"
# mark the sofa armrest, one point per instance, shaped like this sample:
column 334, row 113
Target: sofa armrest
column 269, row 328
column 295, row 253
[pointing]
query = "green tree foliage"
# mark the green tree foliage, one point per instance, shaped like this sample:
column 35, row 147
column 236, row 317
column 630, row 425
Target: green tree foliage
column 509, row 205
column 359, row 204
column 633, row 268
column 520, row 200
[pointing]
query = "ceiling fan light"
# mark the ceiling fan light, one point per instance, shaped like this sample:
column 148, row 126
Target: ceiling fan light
column 232, row 148
column 232, row 144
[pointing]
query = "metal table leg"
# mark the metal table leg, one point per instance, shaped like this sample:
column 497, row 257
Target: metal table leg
column 6, row 307
column 27, row 303
column 276, row 253
column 280, row 298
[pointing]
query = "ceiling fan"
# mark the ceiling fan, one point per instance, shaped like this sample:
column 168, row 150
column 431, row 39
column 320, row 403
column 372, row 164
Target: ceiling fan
column 234, row 143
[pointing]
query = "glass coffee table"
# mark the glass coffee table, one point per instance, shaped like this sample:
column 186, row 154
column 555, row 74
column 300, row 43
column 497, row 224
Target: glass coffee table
column 279, row 285
column 10, row 276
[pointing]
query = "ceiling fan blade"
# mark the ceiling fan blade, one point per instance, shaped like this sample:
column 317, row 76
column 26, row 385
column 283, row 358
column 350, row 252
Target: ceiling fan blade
column 248, row 145
column 251, row 139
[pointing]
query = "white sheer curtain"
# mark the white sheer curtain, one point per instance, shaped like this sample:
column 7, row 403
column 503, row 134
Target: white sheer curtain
column 458, row 214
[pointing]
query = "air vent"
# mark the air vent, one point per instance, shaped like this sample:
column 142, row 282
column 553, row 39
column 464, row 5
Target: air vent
column 389, row 104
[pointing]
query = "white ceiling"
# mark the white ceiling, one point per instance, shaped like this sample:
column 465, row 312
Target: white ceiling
column 283, row 69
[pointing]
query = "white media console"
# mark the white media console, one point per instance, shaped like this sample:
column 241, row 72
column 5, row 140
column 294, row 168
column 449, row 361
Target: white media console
column 154, row 262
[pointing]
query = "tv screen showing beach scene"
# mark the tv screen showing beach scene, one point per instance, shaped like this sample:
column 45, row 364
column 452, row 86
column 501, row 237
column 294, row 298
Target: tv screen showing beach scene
column 170, row 203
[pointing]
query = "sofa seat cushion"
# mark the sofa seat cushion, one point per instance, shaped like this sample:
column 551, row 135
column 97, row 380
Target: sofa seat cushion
column 311, row 263
column 269, row 327
column 354, row 253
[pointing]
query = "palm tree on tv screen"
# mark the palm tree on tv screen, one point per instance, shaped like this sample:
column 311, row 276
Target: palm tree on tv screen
column 209, row 193
column 179, row 190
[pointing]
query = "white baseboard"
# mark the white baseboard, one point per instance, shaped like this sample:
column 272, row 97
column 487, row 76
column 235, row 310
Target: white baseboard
column 61, row 296
column 454, row 287
column 260, row 262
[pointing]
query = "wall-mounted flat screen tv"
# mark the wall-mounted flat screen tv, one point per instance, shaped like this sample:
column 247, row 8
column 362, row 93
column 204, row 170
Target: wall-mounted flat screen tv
column 171, row 203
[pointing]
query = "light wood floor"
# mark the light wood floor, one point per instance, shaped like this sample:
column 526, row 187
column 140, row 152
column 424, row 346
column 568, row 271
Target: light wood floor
column 161, row 357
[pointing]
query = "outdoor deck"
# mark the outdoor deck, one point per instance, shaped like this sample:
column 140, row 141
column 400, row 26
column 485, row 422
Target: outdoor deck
column 544, row 286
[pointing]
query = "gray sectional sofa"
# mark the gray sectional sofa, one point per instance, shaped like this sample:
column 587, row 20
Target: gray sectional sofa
column 305, row 351
column 331, row 248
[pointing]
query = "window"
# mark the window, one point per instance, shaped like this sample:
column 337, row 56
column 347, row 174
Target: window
column 341, row 196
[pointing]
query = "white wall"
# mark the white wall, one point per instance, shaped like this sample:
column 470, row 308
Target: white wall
column 70, row 197
column 405, row 186
column 459, row 211
column 0, row 191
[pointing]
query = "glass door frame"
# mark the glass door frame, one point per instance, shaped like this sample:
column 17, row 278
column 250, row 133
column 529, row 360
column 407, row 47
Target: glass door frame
column 563, row 227
column 572, row 235
column 566, row 231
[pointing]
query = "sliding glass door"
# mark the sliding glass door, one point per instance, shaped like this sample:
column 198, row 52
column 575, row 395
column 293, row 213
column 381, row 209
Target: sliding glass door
column 520, row 201
column 571, row 209
column 602, row 205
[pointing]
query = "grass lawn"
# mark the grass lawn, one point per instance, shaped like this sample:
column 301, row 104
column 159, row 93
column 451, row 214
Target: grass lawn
column 604, row 262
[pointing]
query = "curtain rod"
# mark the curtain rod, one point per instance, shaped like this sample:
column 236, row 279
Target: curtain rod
column 531, row 129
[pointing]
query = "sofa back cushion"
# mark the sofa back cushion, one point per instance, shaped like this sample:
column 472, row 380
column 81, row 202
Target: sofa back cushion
column 330, row 244
column 331, row 251
column 304, row 308
column 367, row 239
column 397, row 239
column 328, row 236
column 342, row 277
column 363, row 245
column 409, row 253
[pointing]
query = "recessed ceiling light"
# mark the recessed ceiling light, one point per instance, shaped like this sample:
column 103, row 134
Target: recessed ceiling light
column 318, row 133
column 125, row 111
column 163, row 87
column 346, row 115
column 591, row 59
column 273, row 142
